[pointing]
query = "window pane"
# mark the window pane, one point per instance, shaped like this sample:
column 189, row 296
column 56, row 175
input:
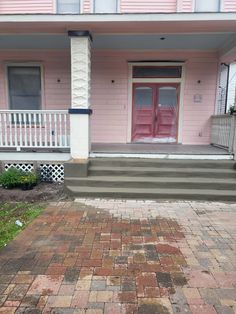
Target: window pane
column 207, row 5
column 107, row 6
column 68, row 6
column 143, row 97
column 167, row 97
column 173, row 72
column 24, row 88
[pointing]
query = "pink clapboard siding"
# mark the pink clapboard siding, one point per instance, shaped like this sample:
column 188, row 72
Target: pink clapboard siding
column 109, row 122
column 185, row 6
column 110, row 100
column 26, row 6
column 128, row 6
column 229, row 6
column 87, row 7
column 55, row 66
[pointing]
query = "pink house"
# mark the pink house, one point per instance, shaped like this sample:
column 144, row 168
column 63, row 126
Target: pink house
column 138, row 77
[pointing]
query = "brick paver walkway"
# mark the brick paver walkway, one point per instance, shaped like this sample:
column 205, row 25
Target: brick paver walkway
column 108, row 256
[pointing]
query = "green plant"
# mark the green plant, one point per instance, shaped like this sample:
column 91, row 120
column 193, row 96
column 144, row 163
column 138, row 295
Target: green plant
column 231, row 109
column 28, row 180
column 11, row 178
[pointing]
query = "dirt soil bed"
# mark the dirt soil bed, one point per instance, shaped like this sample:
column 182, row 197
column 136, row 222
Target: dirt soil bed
column 42, row 192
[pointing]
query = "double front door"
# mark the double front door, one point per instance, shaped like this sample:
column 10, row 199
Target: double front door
column 155, row 113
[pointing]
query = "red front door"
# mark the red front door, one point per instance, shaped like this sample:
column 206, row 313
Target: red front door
column 155, row 113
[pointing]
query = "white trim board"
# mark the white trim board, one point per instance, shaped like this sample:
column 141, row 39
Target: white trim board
column 162, row 156
column 30, row 157
column 132, row 80
column 133, row 17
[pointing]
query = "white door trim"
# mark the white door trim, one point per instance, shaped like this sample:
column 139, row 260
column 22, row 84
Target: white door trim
column 131, row 80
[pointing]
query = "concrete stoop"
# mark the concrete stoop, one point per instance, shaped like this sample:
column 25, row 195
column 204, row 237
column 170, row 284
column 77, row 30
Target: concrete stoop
column 152, row 179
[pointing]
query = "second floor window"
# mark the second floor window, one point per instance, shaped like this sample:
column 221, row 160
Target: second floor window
column 207, row 5
column 68, row 6
column 108, row 6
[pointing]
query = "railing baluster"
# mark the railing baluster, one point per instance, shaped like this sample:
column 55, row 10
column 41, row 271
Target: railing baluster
column 19, row 128
column 55, row 129
column 40, row 129
column 60, row 130
column 35, row 129
column 50, row 129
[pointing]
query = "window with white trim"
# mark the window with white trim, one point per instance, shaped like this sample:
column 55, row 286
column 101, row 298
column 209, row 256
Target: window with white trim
column 24, row 87
column 68, row 6
column 107, row 6
column 207, row 5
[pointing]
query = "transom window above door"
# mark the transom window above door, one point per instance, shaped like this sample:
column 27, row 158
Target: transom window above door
column 207, row 5
column 68, row 6
column 105, row 6
column 24, row 87
column 157, row 72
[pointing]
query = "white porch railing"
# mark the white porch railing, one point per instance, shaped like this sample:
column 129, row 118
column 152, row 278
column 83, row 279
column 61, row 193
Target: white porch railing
column 223, row 131
column 34, row 129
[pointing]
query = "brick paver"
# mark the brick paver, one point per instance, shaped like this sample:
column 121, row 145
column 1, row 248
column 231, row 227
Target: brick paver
column 123, row 257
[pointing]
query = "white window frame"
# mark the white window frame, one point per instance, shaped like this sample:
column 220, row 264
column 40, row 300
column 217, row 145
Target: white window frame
column 220, row 7
column 24, row 64
column 56, row 8
column 132, row 80
column 117, row 7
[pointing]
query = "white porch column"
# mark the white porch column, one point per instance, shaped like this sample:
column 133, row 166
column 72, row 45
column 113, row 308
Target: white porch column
column 80, row 94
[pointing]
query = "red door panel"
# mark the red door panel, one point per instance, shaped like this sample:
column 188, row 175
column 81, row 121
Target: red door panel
column 143, row 99
column 155, row 112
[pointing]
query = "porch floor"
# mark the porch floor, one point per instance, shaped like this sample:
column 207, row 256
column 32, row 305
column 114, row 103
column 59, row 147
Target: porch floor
column 144, row 148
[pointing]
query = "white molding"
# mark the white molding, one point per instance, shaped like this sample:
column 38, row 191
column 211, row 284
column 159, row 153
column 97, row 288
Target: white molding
column 156, row 17
column 132, row 80
column 161, row 156
column 181, row 105
column 34, row 156
column 130, row 100
column 24, row 64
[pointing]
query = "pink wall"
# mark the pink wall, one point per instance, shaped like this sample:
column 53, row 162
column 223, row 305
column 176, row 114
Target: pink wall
column 110, row 100
column 87, row 6
column 186, row 6
column 229, row 5
column 55, row 65
column 26, row 6
column 127, row 6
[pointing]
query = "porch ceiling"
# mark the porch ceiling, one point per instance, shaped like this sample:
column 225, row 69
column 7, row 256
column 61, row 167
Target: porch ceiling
column 209, row 41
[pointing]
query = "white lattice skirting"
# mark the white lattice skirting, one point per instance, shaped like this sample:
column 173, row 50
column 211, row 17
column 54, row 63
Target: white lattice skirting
column 48, row 172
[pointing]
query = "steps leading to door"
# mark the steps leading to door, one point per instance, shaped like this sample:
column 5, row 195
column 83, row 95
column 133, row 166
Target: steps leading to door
column 156, row 179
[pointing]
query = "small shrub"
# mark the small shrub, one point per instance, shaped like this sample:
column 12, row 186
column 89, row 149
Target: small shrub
column 28, row 180
column 11, row 178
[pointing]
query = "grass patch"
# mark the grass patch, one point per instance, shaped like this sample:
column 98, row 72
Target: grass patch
column 10, row 213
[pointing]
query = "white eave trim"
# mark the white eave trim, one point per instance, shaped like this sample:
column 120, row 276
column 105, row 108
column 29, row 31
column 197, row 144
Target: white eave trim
column 167, row 17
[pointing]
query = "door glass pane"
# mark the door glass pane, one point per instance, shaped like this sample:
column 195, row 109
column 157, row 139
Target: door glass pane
column 143, row 97
column 24, row 88
column 105, row 6
column 68, row 6
column 167, row 97
column 173, row 72
column 207, row 5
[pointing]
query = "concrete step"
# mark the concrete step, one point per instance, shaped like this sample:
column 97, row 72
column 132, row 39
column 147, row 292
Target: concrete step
column 153, row 182
column 161, row 172
column 154, row 193
column 157, row 163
